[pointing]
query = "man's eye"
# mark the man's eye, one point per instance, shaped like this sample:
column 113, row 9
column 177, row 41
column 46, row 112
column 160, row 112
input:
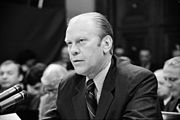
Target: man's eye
column 173, row 79
column 82, row 40
column 10, row 73
column 165, row 78
column 68, row 43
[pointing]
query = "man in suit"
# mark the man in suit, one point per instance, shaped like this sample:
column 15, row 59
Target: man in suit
column 50, row 79
column 102, row 86
column 164, row 92
column 10, row 73
column 171, row 72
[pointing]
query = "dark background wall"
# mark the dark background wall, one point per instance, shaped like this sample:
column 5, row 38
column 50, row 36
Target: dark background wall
column 24, row 26
column 152, row 24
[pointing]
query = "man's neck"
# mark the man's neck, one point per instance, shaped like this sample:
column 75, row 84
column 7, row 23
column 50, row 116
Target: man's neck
column 105, row 63
column 167, row 99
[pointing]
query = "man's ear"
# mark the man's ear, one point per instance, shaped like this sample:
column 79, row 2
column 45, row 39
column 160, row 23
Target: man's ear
column 107, row 44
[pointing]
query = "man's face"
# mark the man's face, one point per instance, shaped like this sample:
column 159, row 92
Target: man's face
column 84, row 46
column 163, row 86
column 172, row 75
column 9, row 75
column 145, row 56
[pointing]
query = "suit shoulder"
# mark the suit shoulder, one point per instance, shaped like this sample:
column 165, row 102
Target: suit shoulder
column 70, row 78
column 132, row 72
column 126, row 67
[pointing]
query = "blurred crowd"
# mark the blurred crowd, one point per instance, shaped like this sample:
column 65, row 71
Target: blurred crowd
column 41, row 81
column 167, row 74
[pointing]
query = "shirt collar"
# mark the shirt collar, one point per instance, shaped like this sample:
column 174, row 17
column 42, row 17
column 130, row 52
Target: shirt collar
column 100, row 77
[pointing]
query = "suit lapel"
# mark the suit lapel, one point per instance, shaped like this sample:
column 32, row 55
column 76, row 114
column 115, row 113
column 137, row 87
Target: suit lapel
column 107, row 92
column 79, row 100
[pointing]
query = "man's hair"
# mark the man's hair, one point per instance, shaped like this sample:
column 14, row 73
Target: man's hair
column 8, row 62
column 158, row 72
column 102, row 23
column 55, row 73
column 33, row 76
column 173, row 62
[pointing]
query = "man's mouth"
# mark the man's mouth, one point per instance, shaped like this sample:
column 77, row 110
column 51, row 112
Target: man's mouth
column 76, row 61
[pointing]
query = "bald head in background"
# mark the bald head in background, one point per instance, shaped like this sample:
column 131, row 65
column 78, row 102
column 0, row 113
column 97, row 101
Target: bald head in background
column 172, row 75
column 163, row 90
column 51, row 78
column 163, row 85
column 53, row 75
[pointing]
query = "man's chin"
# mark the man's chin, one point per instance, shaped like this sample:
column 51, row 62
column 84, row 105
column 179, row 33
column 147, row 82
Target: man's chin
column 5, row 86
column 80, row 71
column 176, row 95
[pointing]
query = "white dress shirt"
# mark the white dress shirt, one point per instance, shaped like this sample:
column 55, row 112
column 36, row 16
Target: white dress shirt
column 99, row 81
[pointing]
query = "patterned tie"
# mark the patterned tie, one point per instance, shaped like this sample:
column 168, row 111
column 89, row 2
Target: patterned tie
column 91, row 99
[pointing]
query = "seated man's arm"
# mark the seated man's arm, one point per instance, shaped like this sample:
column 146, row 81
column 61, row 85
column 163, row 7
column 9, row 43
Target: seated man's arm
column 51, row 114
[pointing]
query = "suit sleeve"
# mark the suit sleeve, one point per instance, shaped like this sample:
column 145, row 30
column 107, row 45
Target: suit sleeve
column 143, row 103
column 51, row 114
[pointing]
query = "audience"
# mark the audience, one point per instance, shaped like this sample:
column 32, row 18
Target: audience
column 51, row 78
column 171, row 71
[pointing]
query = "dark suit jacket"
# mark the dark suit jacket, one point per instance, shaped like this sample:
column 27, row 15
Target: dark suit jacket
column 129, row 92
column 172, row 104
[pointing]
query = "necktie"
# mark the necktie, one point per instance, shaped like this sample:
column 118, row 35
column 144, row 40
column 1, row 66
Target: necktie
column 91, row 99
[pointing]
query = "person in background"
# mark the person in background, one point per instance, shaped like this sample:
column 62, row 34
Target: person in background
column 50, row 79
column 176, row 51
column 145, row 60
column 33, row 85
column 119, row 51
column 171, row 71
column 102, row 86
column 64, row 59
column 11, row 74
column 163, row 91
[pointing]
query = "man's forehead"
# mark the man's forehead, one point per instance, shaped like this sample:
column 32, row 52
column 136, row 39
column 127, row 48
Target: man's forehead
column 10, row 66
column 81, row 18
column 171, row 71
column 83, row 23
column 81, row 30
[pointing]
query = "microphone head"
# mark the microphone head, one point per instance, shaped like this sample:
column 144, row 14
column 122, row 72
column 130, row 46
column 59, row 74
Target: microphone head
column 24, row 94
column 18, row 87
column 11, row 91
column 18, row 97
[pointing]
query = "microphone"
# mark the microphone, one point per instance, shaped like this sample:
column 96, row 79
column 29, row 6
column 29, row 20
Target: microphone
column 11, row 91
column 13, row 100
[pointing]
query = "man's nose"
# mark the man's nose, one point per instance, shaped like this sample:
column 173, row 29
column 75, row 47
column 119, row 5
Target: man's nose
column 74, row 50
column 4, row 76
